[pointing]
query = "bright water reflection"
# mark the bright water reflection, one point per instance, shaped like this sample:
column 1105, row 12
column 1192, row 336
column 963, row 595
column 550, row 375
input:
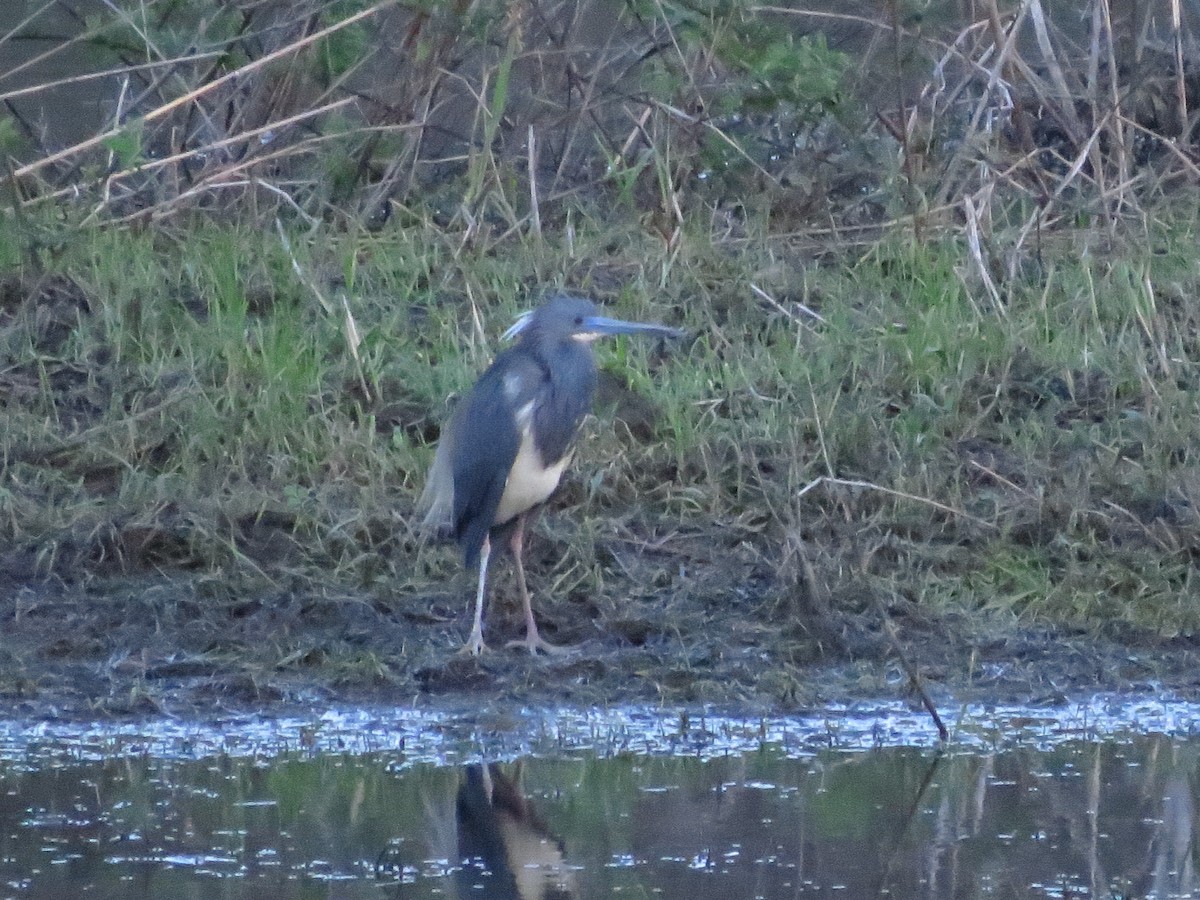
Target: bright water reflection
column 1080, row 818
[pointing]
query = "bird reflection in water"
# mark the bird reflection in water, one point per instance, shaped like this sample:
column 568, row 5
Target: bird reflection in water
column 484, row 834
column 505, row 849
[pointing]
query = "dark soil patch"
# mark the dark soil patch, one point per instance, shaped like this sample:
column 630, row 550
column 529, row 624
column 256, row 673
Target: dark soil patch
column 183, row 646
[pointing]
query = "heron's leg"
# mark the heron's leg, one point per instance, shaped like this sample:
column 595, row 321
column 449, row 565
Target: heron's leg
column 475, row 645
column 533, row 641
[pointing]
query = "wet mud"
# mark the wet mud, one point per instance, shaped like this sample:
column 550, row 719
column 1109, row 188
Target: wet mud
column 167, row 645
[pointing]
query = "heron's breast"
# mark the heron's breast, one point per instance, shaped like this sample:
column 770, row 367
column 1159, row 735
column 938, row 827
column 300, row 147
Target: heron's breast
column 530, row 481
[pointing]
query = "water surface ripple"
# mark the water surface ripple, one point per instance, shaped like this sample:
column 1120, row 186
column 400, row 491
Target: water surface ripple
column 1096, row 798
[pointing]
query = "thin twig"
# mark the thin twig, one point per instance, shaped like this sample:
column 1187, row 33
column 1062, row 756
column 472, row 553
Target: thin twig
column 779, row 306
column 158, row 113
column 535, row 214
column 105, row 73
column 914, row 677
column 846, row 482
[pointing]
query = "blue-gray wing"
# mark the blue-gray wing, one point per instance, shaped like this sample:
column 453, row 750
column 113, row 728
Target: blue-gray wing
column 486, row 441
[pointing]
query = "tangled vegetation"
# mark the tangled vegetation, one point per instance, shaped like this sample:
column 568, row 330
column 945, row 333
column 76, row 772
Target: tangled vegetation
column 941, row 398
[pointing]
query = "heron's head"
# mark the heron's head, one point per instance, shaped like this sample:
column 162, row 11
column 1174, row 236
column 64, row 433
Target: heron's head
column 565, row 317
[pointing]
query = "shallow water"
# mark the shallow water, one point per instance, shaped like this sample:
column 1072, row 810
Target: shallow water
column 1095, row 799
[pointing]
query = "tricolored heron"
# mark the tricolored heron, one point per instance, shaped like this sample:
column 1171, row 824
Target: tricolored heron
column 504, row 449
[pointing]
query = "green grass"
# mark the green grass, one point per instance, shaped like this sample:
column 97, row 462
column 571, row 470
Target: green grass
column 1032, row 463
column 222, row 376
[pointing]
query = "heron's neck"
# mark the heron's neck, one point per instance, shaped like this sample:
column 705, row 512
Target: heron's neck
column 571, row 372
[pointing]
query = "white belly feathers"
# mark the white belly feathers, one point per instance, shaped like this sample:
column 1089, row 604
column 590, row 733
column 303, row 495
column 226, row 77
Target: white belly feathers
column 530, row 481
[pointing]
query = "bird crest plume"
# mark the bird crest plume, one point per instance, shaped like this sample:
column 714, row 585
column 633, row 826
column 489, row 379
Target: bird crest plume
column 518, row 326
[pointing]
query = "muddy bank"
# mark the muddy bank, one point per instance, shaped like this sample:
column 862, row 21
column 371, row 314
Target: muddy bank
column 192, row 647
column 229, row 530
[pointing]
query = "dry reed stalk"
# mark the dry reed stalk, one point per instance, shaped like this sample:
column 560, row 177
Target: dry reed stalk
column 1037, row 217
column 196, row 93
column 85, row 77
column 934, row 95
column 689, row 71
column 948, row 49
column 1091, row 78
column 811, row 313
column 1006, row 42
column 27, row 21
column 892, row 492
column 638, row 131
column 1064, row 103
column 975, row 254
column 401, row 170
column 535, row 213
column 1172, row 147
column 299, row 148
column 42, row 57
column 155, row 164
column 1122, row 141
column 587, row 88
column 283, row 195
column 1061, row 100
column 1151, row 324
column 904, row 134
column 1180, row 73
column 710, row 126
column 851, row 235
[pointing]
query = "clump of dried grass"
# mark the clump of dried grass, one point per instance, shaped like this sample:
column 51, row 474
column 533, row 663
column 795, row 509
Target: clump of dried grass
column 466, row 118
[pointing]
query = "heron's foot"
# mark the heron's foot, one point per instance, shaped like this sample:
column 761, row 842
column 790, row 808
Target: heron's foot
column 474, row 646
column 535, row 643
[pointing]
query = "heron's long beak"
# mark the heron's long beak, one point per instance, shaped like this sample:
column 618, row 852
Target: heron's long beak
column 598, row 326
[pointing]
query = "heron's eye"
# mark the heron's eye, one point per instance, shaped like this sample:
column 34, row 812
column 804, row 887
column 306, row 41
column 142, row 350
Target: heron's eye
column 579, row 320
